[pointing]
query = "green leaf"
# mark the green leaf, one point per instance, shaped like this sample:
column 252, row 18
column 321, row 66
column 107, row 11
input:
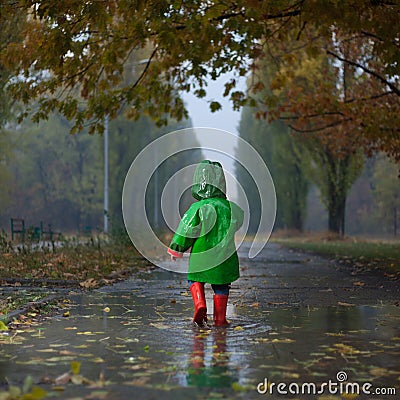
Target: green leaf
column 28, row 382
column 215, row 106
column 15, row 391
column 200, row 93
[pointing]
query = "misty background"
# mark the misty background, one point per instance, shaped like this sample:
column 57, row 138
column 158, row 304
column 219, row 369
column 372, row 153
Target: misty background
column 57, row 178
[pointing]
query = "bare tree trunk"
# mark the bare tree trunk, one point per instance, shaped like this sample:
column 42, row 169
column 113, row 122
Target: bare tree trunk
column 337, row 193
column 336, row 214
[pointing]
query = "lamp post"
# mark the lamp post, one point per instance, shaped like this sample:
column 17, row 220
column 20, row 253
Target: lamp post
column 155, row 188
column 106, row 174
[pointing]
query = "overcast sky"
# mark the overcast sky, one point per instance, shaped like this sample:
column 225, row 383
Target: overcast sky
column 226, row 119
column 201, row 115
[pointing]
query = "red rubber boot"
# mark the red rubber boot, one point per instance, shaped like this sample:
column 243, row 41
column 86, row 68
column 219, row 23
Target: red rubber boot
column 220, row 304
column 199, row 300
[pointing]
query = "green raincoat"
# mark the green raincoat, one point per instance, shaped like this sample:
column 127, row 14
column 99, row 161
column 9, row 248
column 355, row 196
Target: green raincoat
column 208, row 227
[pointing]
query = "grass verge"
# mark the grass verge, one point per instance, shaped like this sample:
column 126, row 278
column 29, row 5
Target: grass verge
column 84, row 265
column 76, row 263
column 371, row 253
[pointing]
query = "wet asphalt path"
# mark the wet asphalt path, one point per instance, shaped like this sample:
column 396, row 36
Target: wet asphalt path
column 295, row 318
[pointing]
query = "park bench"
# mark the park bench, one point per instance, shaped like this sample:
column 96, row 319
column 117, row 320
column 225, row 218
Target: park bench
column 18, row 227
column 33, row 232
column 87, row 230
column 49, row 232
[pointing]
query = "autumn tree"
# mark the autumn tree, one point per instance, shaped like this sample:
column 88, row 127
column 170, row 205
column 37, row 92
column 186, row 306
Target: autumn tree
column 10, row 30
column 11, row 26
column 386, row 191
column 250, row 130
column 87, row 45
column 283, row 156
column 334, row 98
column 333, row 177
column 311, row 93
column 5, row 160
column 291, row 180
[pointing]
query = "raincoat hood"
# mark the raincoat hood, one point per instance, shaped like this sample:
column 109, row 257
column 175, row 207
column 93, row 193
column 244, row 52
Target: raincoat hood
column 209, row 181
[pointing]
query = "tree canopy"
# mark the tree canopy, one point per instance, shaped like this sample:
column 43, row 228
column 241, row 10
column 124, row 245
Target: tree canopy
column 71, row 47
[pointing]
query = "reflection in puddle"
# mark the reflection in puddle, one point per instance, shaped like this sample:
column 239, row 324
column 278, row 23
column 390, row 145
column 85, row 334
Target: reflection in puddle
column 149, row 342
column 209, row 360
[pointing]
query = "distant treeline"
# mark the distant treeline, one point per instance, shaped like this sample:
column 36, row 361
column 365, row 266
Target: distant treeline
column 52, row 176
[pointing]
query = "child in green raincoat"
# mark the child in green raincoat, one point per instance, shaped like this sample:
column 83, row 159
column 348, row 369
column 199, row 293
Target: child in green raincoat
column 208, row 227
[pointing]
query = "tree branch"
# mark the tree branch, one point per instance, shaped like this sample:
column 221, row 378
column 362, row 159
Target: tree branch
column 301, row 30
column 394, row 88
column 374, row 97
column 296, row 117
column 234, row 14
column 322, row 128
column 146, row 67
column 374, row 36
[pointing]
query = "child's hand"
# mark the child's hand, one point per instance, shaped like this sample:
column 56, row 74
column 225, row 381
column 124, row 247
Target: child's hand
column 173, row 258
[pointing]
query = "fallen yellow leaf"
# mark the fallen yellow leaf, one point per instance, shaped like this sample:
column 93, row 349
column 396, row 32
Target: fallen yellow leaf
column 238, row 328
column 237, row 387
column 78, row 379
column 36, row 393
column 349, row 396
column 346, row 349
column 75, row 367
column 283, row 340
column 378, row 371
column 89, row 283
column 3, row 326
column 291, row 375
column 97, row 360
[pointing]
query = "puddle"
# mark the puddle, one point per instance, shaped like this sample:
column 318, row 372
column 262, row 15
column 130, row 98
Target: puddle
column 145, row 344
